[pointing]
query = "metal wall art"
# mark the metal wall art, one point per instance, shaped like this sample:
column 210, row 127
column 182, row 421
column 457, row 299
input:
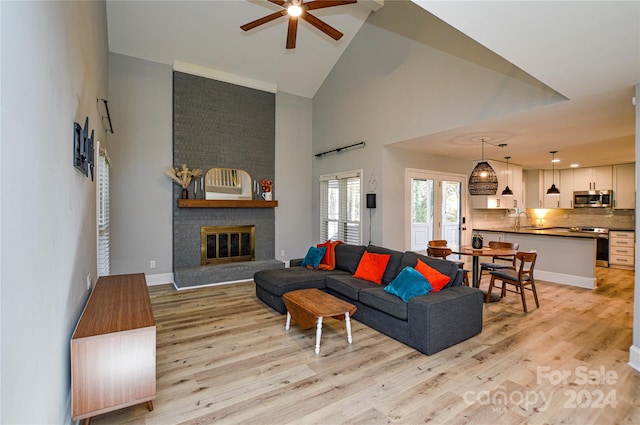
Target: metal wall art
column 83, row 148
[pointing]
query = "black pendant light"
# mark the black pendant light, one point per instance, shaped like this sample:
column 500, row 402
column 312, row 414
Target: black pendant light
column 483, row 179
column 507, row 191
column 553, row 190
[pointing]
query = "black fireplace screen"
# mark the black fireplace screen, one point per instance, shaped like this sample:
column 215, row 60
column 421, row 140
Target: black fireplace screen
column 225, row 244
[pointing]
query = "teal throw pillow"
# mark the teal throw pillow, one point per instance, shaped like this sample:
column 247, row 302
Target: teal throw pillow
column 313, row 257
column 408, row 284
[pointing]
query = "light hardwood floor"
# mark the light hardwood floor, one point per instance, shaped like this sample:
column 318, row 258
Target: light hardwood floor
column 224, row 357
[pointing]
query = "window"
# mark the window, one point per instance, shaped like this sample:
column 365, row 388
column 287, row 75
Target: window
column 340, row 205
column 103, row 214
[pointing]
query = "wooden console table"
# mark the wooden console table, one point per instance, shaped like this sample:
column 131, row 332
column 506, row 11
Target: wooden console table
column 113, row 349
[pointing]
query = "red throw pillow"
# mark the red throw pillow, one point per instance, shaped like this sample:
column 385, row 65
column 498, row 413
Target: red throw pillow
column 372, row 266
column 327, row 254
column 435, row 278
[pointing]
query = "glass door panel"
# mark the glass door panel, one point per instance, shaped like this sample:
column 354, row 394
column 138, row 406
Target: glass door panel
column 422, row 213
column 451, row 211
column 435, row 208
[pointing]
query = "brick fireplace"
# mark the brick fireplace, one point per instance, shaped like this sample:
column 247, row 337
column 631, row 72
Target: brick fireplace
column 217, row 124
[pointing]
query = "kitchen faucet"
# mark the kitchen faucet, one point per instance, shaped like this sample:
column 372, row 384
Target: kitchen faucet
column 516, row 225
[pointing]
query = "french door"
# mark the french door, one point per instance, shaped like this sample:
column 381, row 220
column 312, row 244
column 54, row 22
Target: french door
column 435, row 207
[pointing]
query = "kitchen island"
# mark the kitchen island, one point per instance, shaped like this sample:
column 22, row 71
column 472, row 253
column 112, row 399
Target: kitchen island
column 564, row 256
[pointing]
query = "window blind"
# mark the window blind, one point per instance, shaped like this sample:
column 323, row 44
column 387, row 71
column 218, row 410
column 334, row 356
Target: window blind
column 340, row 207
column 103, row 215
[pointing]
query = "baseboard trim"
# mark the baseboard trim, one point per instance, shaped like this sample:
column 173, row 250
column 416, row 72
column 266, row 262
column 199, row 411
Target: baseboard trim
column 566, row 279
column 159, row 279
column 208, row 285
column 634, row 357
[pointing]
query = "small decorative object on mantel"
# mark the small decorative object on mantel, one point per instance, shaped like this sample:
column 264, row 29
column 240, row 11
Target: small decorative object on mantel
column 267, row 188
column 183, row 177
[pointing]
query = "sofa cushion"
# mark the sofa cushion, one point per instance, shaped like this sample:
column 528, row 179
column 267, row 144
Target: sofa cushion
column 280, row 281
column 393, row 267
column 408, row 284
column 348, row 257
column 445, row 267
column 387, row 303
column 348, row 286
column 372, row 266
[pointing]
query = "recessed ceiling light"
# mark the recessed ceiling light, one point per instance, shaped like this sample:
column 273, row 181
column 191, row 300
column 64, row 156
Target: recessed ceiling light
column 574, row 165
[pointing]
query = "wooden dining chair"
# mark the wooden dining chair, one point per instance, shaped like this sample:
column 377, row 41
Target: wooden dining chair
column 439, row 250
column 498, row 262
column 521, row 276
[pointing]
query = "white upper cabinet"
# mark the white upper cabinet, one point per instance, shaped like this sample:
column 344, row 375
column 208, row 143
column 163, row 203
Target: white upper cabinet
column 624, row 186
column 536, row 184
column 566, row 188
column 594, row 178
column 497, row 201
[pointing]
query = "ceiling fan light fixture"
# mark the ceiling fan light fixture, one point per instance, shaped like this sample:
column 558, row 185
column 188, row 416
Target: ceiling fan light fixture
column 294, row 10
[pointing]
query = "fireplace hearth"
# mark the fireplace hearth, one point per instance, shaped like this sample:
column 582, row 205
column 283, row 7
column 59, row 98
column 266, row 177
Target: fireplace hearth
column 226, row 244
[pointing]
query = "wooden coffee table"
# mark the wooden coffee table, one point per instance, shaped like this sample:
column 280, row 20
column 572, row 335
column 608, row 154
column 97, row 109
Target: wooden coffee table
column 309, row 306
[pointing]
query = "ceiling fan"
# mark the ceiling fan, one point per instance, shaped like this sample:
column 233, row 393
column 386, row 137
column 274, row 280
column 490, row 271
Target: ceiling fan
column 300, row 9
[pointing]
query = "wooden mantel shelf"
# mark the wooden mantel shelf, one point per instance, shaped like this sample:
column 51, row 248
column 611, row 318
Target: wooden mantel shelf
column 224, row 203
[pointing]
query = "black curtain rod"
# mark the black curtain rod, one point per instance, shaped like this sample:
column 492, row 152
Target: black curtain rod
column 318, row 155
column 108, row 117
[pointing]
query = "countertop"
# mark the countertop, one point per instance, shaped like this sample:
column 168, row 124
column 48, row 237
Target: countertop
column 548, row 231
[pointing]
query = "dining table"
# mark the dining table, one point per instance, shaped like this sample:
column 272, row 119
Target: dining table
column 485, row 251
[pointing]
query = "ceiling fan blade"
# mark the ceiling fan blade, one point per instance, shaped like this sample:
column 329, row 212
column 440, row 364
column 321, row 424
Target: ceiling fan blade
column 321, row 4
column 263, row 20
column 292, row 31
column 322, row 26
column 278, row 2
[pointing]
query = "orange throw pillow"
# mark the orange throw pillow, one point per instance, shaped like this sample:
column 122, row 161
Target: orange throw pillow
column 372, row 266
column 332, row 257
column 435, row 278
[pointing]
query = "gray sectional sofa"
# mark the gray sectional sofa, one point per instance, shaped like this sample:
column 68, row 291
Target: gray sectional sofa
column 428, row 323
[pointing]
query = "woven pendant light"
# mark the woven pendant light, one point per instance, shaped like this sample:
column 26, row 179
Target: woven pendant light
column 483, row 179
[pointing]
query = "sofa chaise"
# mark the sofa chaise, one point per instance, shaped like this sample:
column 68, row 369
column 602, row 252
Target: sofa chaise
column 428, row 323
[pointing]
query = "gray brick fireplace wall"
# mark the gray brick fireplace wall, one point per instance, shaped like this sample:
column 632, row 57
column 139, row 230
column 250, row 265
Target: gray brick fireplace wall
column 218, row 124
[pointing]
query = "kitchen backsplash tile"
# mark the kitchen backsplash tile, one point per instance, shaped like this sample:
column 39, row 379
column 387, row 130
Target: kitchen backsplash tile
column 593, row 217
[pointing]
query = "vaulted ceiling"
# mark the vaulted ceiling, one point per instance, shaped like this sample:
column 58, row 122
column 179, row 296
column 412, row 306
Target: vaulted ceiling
column 588, row 52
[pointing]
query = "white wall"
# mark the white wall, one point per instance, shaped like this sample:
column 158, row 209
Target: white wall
column 396, row 161
column 140, row 102
column 391, row 85
column 54, row 67
column 293, row 176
